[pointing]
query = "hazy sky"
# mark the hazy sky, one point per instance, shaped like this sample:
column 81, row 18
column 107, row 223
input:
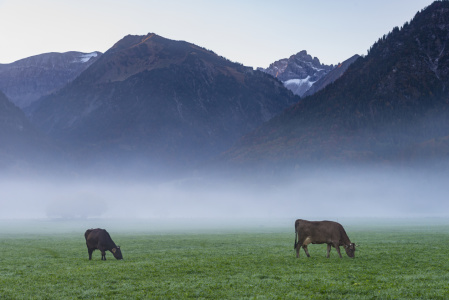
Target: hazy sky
column 252, row 32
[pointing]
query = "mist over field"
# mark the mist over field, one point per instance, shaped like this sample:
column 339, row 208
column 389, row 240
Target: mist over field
column 308, row 193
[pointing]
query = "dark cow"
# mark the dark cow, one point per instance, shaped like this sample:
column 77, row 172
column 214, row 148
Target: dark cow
column 322, row 232
column 101, row 240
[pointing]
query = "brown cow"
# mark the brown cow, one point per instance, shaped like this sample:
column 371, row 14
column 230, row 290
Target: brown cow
column 101, row 240
column 322, row 232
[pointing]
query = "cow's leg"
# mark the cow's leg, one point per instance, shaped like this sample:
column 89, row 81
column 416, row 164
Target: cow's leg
column 328, row 250
column 306, row 250
column 337, row 247
column 304, row 244
column 103, row 255
column 298, row 245
column 89, row 250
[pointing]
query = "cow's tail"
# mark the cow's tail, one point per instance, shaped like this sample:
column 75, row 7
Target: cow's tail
column 296, row 239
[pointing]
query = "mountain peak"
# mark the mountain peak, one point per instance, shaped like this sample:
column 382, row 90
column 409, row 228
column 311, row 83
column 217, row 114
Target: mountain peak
column 137, row 53
column 298, row 72
column 130, row 41
column 303, row 56
column 387, row 103
column 169, row 101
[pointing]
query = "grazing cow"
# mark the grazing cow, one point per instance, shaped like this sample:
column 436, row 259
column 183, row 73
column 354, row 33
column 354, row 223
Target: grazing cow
column 322, row 232
column 101, row 240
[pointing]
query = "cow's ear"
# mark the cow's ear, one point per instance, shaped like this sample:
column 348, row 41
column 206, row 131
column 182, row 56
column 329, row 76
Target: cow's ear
column 113, row 250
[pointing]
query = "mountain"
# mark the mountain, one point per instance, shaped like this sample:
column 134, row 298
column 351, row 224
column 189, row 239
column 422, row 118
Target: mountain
column 20, row 143
column 158, row 99
column 26, row 80
column 298, row 72
column 391, row 105
column 330, row 77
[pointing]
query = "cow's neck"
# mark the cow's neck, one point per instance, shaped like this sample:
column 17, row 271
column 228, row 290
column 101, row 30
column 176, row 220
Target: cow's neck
column 345, row 241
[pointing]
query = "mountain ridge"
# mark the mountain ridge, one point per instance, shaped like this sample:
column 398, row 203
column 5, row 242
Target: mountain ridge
column 26, row 80
column 331, row 76
column 158, row 98
column 386, row 103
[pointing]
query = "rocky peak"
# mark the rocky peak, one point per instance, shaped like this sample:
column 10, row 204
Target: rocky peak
column 390, row 105
column 298, row 72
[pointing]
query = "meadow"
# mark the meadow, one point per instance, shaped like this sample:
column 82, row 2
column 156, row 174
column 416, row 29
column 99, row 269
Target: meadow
column 49, row 260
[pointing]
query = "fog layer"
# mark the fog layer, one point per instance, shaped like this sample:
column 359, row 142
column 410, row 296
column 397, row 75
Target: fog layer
column 309, row 194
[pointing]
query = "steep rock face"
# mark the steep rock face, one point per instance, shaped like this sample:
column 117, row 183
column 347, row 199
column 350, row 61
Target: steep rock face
column 330, row 77
column 28, row 79
column 298, row 72
column 388, row 106
column 163, row 100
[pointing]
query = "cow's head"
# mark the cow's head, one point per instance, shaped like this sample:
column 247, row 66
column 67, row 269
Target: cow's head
column 117, row 252
column 350, row 250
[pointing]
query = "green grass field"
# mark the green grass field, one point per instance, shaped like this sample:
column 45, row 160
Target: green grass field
column 50, row 261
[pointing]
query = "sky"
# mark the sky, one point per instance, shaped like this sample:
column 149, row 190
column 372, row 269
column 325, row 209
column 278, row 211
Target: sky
column 252, row 32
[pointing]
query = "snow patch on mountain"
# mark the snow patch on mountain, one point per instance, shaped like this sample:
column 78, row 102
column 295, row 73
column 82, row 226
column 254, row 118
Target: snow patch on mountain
column 299, row 86
column 86, row 57
column 305, row 81
column 298, row 72
column 313, row 67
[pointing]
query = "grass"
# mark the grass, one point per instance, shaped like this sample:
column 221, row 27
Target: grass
column 392, row 262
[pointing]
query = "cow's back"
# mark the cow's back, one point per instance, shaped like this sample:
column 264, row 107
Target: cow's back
column 321, row 231
column 305, row 227
column 94, row 237
column 98, row 236
column 333, row 229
